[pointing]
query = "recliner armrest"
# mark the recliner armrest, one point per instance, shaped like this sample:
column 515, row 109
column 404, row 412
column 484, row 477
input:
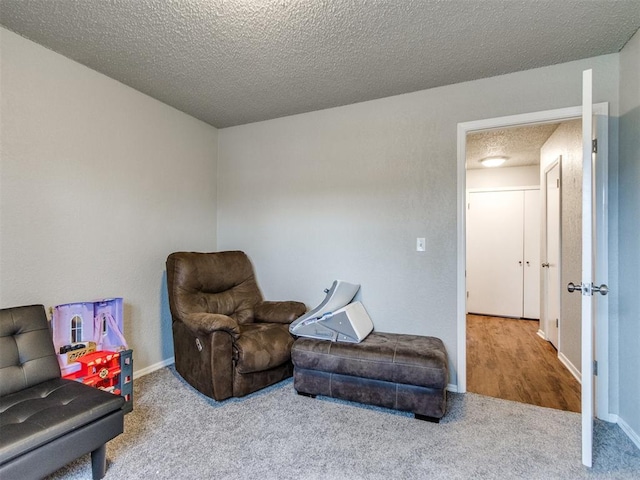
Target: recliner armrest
column 206, row 323
column 278, row 312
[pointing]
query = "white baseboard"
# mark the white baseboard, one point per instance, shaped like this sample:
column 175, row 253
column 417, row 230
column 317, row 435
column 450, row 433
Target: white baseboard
column 570, row 366
column 610, row 417
column 152, row 368
column 635, row 438
column 542, row 335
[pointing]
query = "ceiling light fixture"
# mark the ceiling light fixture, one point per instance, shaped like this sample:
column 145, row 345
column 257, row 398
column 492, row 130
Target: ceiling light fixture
column 493, row 161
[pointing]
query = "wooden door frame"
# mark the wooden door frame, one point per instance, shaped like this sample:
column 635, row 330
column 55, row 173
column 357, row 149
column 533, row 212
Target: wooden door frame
column 602, row 330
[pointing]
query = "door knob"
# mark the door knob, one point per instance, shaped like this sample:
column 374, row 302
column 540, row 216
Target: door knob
column 545, row 265
column 588, row 289
column 603, row 289
column 571, row 287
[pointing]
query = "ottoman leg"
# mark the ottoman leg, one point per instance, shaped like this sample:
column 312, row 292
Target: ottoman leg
column 426, row 418
column 310, row 395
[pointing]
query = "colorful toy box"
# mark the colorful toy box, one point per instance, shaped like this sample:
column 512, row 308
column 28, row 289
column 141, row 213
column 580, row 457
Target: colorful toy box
column 91, row 347
column 85, row 327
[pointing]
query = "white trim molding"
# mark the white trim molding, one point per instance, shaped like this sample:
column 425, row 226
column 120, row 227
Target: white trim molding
column 570, row 366
column 635, row 438
column 152, row 368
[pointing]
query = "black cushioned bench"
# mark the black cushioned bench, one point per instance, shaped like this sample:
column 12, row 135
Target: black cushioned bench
column 403, row 372
column 47, row 421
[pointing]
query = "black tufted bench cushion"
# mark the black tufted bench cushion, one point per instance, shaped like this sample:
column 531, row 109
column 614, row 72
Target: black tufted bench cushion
column 34, row 417
column 403, row 372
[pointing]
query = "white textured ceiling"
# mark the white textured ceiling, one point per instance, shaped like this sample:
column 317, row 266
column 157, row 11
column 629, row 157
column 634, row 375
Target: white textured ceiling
column 231, row 62
column 520, row 145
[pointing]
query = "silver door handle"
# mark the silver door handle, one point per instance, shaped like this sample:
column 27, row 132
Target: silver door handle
column 571, row 287
column 603, row 289
column 545, row 265
column 588, row 289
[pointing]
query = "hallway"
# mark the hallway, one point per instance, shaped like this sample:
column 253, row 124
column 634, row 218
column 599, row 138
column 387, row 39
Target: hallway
column 507, row 359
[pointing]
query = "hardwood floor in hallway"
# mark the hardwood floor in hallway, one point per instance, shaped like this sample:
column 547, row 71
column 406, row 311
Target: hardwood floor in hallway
column 507, row 359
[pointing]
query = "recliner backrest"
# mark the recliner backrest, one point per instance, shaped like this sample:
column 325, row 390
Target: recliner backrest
column 221, row 282
column 27, row 355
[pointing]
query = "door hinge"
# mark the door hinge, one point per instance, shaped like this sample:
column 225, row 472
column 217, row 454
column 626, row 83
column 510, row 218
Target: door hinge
column 467, row 294
column 557, row 323
column 594, row 145
column 557, row 183
column 595, row 368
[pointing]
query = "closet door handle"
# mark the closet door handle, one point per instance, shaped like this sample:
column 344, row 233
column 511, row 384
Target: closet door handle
column 572, row 287
column 545, row 265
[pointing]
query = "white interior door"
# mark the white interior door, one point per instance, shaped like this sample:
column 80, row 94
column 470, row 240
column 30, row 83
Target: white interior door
column 551, row 265
column 587, row 286
column 531, row 287
column 587, row 269
column 494, row 253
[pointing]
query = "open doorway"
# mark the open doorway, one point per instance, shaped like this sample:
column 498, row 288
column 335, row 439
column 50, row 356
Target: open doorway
column 513, row 263
column 600, row 238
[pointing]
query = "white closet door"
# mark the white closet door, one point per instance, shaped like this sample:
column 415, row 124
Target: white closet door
column 531, row 302
column 494, row 253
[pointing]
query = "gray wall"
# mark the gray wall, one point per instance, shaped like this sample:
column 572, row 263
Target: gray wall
column 98, row 184
column 343, row 193
column 629, row 236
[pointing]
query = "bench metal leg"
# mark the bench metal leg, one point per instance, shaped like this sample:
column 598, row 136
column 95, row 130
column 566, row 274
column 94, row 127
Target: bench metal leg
column 310, row 395
column 99, row 462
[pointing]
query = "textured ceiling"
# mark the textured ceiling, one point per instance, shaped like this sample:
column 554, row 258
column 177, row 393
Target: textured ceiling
column 520, row 145
column 231, row 62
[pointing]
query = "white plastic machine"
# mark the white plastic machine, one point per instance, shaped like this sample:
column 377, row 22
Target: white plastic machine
column 335, row 318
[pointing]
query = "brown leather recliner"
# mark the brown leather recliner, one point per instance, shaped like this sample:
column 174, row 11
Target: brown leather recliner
column 227, row 340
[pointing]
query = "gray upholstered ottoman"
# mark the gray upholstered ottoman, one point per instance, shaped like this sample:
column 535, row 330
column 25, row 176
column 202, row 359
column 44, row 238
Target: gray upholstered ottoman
column 403, row 372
